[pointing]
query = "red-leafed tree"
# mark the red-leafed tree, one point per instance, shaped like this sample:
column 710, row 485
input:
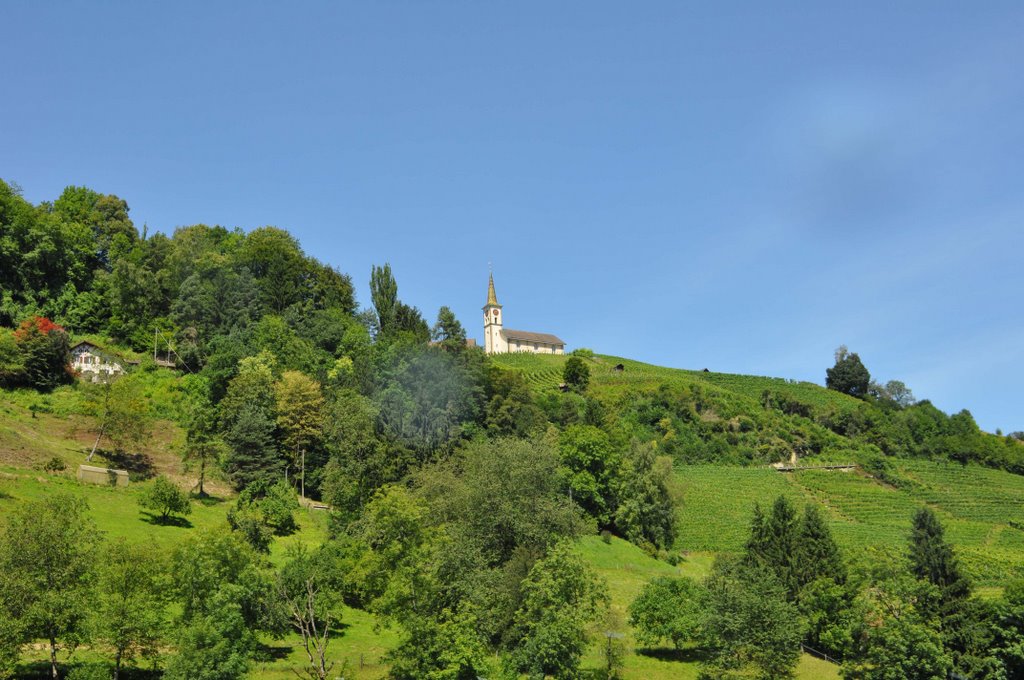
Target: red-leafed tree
column 45, row 352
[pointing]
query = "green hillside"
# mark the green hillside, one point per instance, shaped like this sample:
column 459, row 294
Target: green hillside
column 302, row 455
column 982, row 508
column 361, row 643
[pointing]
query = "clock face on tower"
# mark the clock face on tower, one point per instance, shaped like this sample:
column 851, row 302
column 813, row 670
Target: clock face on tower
column 495, row 312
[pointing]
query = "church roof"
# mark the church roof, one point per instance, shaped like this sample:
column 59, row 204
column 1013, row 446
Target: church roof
column 492, row 298
column 530, row 336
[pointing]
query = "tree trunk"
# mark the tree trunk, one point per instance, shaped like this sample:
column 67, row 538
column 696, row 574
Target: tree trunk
column 117, row 665
column 98, row 438
column 202, row 476
column 53, row 659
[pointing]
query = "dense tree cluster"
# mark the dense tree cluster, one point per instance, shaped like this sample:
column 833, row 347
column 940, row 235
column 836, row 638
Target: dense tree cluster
column 454, row 490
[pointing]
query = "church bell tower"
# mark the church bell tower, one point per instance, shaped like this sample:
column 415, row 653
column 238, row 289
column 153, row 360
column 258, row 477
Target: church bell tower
column 493, row 342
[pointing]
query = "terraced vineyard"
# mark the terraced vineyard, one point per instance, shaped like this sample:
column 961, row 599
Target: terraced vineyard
column 862, row 511
column 982, row 508
column 978, row 506
column 753, row 386
column 718, row 502
column 542, row 371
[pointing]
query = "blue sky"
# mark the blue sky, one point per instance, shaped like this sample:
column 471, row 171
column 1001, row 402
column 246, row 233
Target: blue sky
column 738, row 186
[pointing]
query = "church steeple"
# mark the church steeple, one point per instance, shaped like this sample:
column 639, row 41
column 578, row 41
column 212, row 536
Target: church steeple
column 494, row 341
column 492, row 299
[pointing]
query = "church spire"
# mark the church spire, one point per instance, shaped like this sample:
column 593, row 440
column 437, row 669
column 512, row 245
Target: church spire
column 492, row 299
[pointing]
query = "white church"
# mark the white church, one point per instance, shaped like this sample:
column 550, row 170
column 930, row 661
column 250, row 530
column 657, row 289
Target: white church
column 500, row 340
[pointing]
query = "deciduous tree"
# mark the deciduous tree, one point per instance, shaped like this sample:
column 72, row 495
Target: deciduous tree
column 667, row 609
column 848, row 375
column 750, row 627
column 130, row 605
column 561, row 598
column 164, row 499
column 384, row 294
column 300, row 417
column 576, row 374
column 48, row 556
column 647, row 498
column 309, row 596
column 45, row 353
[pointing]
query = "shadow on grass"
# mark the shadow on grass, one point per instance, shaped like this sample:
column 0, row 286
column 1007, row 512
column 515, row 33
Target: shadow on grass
column 687, row 655
column 272, row 652
column 208, row 501
column 268, row 652
column 41, row 670
column 161, row 521
column 138, row 465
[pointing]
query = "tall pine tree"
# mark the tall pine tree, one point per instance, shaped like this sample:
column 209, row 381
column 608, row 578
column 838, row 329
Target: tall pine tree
column 817, row 554
column 933, row 559
column 249, row 420
column 773, row 543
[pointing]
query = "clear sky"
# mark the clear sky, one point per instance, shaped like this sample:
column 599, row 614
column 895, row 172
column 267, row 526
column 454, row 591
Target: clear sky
column 738, row 186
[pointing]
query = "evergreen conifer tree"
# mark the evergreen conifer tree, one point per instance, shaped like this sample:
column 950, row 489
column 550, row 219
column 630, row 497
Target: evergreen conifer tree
column 249, row 422
column 756, row 544
column 817, row 553
column 773, row 543
column 933, row 559
column 252, row 453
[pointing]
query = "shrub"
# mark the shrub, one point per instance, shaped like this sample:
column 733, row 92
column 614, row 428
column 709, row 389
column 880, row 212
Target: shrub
column 55, row 464
column 582, row 353
column 264, row 510
column 162, row 497
column 576, row 374
column 250, row 525
column 90, row 671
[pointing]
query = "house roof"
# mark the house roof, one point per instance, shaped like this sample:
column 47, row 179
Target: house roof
column 97, row 349
column 530, row 336
column 103, row 352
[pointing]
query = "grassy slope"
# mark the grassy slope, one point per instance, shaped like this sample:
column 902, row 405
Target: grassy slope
column 627, row 569
column 116, row 514
column 980, row 507
column 977, row 504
